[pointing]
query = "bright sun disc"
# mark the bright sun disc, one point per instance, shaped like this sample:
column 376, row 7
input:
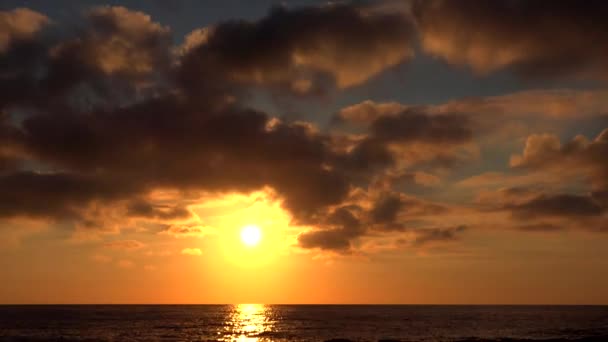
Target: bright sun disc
column 251, row 235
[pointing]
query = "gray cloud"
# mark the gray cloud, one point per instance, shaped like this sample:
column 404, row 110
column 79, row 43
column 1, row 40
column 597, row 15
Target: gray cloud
column 542, row 38
column 429, row 235
column 343, row 228
column 565, row 205
column 301, row 49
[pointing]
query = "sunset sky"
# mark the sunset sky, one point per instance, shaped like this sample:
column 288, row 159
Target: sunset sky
column 304, row 151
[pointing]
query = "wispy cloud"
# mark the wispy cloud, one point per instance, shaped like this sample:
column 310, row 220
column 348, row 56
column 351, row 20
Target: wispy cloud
column 192, row 251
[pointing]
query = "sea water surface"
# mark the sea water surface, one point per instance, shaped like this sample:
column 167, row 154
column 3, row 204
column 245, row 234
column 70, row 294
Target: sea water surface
column 255, row 322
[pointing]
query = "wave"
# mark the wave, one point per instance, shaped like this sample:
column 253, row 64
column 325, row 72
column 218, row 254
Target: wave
column 283, row 337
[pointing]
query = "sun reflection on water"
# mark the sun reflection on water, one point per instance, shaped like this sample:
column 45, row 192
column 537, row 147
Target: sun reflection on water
column 248, row 322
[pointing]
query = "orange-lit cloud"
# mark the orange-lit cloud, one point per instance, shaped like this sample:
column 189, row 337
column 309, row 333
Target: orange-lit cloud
column 19, row 25
column 535, row 38
column 124, row 244
column 125, row 263
column 192, row 251
column 101, row 258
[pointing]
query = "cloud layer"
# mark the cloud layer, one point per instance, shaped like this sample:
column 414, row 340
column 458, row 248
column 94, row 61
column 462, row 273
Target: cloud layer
column 94, row 120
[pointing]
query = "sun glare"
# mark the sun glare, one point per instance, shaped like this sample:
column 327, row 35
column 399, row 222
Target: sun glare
column 251, row 235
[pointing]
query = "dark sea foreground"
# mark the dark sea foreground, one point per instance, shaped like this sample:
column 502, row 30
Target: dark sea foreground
column 302, row 323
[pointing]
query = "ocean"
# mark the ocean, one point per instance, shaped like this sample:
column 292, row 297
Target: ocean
column 255, row 322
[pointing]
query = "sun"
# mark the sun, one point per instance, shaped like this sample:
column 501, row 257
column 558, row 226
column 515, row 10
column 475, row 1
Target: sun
column 251, row 235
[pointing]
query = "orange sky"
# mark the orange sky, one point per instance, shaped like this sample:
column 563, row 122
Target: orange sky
column 485, row 267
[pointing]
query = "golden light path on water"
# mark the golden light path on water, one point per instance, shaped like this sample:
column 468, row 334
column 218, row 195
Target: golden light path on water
column 248, row 322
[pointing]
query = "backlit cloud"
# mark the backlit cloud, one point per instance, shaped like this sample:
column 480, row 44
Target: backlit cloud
column 298, row 49
column 124, row 244
column 19, row 25
column 534, row 38
column 192, row 251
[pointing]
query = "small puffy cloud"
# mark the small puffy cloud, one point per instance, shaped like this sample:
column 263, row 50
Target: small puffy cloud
column 538, row 150
column 144, row 209
column 150, row 268
column 545, row 152
column 433, row 235
column 187, row 230
column 101, row 258
column 367, row 112
column 124, row 244
column 192, row 251
column 194, row 39
column 119, row 41
column 162, row 253
column 125, row 263
column 19, row 24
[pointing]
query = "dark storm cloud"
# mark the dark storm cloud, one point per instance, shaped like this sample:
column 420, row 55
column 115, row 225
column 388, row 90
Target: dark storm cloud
column 541, row 38
column 297, row 49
